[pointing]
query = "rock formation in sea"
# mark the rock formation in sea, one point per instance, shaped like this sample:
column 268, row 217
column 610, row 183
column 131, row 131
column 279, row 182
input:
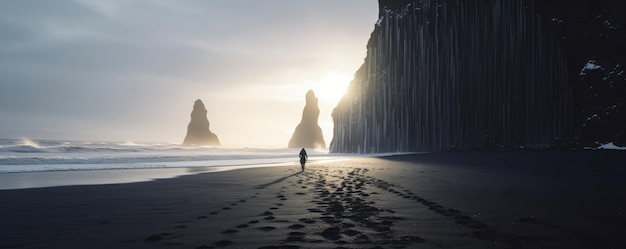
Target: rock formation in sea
column 456, row 74
column 308, row 133
column 198, row 132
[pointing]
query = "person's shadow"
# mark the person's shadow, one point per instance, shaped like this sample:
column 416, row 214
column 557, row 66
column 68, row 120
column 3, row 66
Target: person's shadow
column 277, row 180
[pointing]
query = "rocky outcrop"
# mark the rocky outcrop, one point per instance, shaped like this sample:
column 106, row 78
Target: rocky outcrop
column 308, row 133
column 456, row 74
column 604, row 104
column 198, row 132
column 593, row 34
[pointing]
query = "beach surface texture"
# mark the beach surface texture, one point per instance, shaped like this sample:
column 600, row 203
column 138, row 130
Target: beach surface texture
column 438, row 200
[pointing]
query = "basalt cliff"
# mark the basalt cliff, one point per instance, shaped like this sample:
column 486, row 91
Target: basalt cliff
column 453, row 74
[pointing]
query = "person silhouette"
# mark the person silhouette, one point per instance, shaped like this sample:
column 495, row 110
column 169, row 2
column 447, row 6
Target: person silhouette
column 303, row 157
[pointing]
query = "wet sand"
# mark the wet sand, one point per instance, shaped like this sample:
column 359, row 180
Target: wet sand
column 439, row 200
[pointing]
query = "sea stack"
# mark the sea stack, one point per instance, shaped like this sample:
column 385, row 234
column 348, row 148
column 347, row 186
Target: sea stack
column 308, row 133
column 198, row 132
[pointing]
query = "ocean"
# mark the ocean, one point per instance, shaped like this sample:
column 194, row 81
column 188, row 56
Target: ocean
column 26, row 155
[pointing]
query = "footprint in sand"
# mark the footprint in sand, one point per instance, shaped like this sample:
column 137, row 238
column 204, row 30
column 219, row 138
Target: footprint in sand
column 156, row 237
column 223, row 243
column 347, row 225
column 330, row 219
column 307, row 221
column 295, row 236
column 296, row 226
column 229, row 231
column 266, row 229
column 315, row 210
column 331, row 233
column 351, row 232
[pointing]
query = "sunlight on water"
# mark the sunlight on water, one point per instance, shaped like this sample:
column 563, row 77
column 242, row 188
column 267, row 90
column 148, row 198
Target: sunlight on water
column 28, row 142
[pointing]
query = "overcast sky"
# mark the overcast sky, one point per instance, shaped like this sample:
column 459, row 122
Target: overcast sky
column 130, row 70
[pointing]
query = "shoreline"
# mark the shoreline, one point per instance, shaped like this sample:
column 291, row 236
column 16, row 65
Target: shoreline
column 45, row 179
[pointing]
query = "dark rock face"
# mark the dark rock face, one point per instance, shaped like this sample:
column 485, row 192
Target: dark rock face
column 308, row 133
column 456, row 74
column 593, row 34
column 198, row 132
column 452, row 74
column 604, row 105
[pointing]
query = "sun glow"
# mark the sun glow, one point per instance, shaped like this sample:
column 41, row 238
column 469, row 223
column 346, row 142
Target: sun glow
column 331, row 87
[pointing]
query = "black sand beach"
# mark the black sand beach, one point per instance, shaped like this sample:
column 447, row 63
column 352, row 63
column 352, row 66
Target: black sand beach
column 439, row 200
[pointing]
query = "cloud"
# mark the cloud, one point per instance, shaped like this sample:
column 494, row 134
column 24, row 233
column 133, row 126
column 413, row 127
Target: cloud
column 127, row 63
